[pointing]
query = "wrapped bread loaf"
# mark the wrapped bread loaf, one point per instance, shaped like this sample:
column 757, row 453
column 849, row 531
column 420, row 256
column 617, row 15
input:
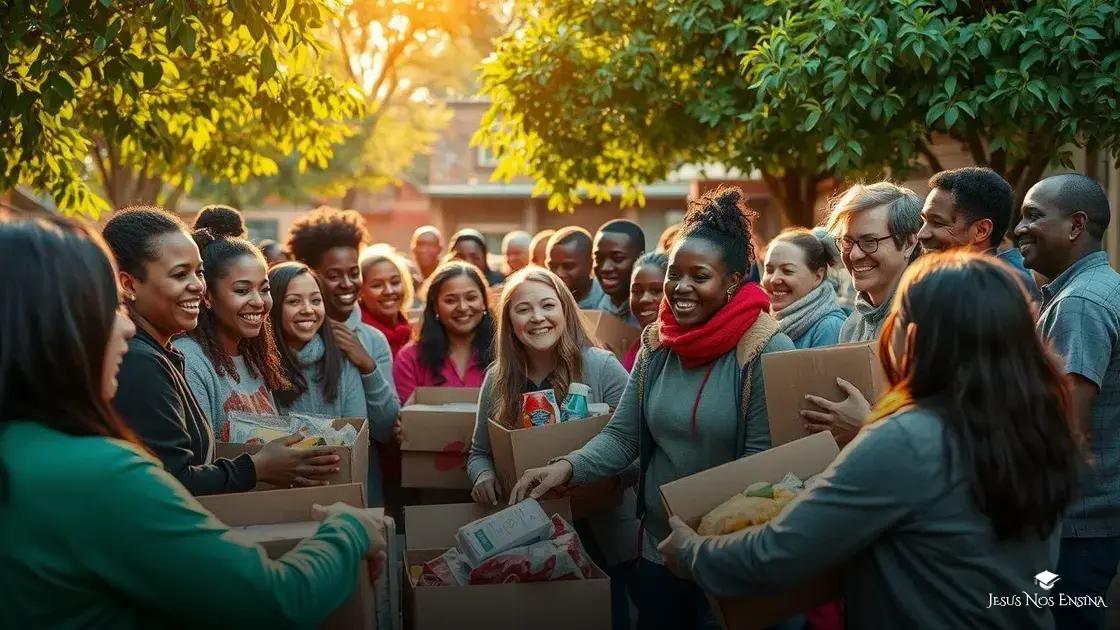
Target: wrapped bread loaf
column 736, row 513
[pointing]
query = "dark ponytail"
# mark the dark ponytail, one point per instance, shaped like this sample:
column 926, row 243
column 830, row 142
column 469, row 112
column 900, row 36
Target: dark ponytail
column 217, row 233
column 721, row 216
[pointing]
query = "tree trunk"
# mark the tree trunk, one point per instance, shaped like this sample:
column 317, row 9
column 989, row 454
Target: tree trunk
column 795, row 192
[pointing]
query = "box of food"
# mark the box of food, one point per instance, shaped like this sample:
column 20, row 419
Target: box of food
column 354, row 460
column 610, row 332
column 693, row 498
column 791, row 375
column 278, row 520
column 562, row 605
column 516, row 450
column 437, row 424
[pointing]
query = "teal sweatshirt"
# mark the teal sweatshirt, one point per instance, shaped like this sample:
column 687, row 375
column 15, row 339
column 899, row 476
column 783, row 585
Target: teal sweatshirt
column 97, row 535
column 901, row 519
column 722, row 433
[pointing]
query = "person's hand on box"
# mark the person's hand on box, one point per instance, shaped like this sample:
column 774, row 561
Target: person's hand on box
column 671, row 548
column 375, row 531
column 487, row 491
column 844, row 418
column 536, row 482
column 280, row 465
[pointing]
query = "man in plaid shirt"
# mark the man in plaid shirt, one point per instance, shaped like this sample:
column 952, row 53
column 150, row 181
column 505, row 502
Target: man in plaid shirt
column 1063, row 221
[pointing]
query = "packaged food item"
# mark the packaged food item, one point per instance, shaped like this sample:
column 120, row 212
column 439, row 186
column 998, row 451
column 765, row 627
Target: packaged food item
column 575, row 404
column 598, row 409
column 518, row 525
column 310, row 441
column 450, row 569
column 559, row 557
column 249, row 428
column 539, row 408
column 757, row 504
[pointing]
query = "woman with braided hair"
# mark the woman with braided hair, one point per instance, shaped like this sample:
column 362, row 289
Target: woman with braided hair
column 695, row 398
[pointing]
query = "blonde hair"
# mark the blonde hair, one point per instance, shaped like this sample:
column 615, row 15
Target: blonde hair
column 510, row 361
column 382, row 252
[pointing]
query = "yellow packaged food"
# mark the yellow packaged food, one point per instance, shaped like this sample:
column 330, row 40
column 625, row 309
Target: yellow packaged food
column 736, row 513
column 308, row 442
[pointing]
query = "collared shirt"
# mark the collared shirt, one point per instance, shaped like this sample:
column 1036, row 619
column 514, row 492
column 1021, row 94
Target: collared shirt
column 1014, row 258
column 1081, row 321
column 409, row 373
column 594, row 296
column 622, row 312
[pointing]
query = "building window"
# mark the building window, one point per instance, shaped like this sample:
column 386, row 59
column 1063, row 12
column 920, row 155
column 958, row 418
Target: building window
column 260, row 229
column 486, row 159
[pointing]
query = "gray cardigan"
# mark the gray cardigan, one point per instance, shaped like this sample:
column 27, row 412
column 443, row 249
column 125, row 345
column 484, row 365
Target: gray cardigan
column 902, row 521
column 615, row 530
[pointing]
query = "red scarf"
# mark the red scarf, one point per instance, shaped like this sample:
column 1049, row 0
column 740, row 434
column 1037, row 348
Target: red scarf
column 716, row 337
column 397, row 334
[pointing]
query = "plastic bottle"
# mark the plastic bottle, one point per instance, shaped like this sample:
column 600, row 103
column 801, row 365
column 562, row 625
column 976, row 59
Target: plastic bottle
column 575, row 404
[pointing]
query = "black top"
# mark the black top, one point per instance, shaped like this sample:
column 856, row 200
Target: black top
column 153, row 398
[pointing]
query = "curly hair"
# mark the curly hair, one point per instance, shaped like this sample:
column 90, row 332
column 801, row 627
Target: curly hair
column 216, row 234
column 132, row 232
column 325, row 228
column 721, row 216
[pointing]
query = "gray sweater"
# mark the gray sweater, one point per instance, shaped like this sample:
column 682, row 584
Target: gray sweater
column 902, row 521
column 220, row 394
column 381, row 393
column 866, row 320
column 616, row 530
column 723, row 431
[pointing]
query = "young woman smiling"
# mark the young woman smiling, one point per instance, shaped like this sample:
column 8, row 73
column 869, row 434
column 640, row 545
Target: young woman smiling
column 696, row 397
column 160, row 271
column 456, row 333
column 96, row 534
column 541, row 344
column 328, row 241
column 232, row 362
column 646, row 292
column 802, row 298
column 386, row 295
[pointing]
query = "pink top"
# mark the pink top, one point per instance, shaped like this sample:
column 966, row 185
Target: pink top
column 408, row 373
column 631, row 356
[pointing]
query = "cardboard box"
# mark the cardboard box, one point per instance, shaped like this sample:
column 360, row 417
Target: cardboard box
column 564, row 605
column 354, row 464
column 281, row 519
column 692, row 497
column 611, row 332
column 791, row 375
column 435, row 443
column 515, row 451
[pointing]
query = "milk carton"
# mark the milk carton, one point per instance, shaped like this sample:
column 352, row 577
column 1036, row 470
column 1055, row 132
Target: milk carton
column 515, row 526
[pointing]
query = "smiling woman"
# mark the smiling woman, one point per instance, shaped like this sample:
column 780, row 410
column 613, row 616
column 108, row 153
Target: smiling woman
column 386, row 294
column 231, row 365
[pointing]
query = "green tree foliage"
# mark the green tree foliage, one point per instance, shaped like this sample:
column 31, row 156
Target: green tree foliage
column 595, row 93
column 105, row 101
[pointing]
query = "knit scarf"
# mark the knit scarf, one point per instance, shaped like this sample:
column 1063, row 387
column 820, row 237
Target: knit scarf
column 396, row 334
column 869, row 319
column 716, row 337
column 797, row 318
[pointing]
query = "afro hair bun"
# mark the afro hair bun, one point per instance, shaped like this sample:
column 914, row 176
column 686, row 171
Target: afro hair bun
column 220, row 221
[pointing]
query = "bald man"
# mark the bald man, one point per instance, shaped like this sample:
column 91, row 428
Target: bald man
column 1064, row 219
column 426, row 246
column 515, row 248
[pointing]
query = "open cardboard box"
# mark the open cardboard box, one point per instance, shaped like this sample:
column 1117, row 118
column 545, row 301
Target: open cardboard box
column 434, row 443
column 563, row 605
column 610, row 332
column 791, row 375
column 515, row 451
column 692, row 497
column 353, row 464
column 278, row 520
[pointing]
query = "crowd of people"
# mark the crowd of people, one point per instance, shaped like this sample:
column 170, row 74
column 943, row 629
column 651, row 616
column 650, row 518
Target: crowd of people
column 994, row 454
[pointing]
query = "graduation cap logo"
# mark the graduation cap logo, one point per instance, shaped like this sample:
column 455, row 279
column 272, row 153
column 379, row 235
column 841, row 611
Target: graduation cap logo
column 1046, row 580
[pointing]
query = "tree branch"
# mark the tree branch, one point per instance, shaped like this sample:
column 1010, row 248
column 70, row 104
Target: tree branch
column 931, row 158
column 347, row 59
column 99, row 162
column 976, row 148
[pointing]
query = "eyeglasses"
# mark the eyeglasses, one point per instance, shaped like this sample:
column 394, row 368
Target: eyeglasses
column 867, row 244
